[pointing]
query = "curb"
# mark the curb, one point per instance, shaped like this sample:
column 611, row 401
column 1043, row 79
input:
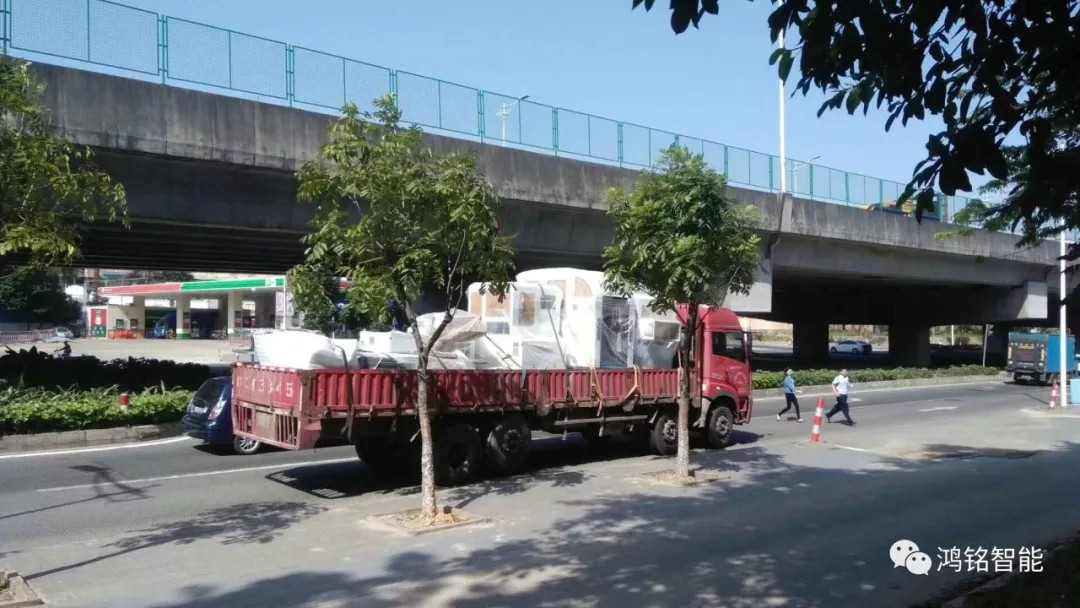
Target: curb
column 809, row 391
column 78, row 439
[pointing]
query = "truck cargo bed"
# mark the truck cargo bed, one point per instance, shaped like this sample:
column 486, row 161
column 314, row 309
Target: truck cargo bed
column 285, row 407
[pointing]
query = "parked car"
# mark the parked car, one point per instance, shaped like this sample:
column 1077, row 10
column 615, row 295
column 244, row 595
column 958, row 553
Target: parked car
column 64, row 333
column 853, row 347
column 209, row 417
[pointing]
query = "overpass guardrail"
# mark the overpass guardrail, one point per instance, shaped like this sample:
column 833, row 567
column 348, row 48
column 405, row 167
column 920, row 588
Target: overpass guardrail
column 116, row 38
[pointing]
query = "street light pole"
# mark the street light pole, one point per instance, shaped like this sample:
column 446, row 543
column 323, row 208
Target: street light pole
column 783, row 128
column 1062, row 329
column 504, row 113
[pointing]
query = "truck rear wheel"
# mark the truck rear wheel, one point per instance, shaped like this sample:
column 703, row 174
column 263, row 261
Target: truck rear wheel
column 721, row 425
column 379, row 453
column 508, row 444
column 664, row 436
column 459, row 453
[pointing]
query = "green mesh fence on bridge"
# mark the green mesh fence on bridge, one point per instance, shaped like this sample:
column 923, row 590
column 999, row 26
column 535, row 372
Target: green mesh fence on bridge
column 131, row 41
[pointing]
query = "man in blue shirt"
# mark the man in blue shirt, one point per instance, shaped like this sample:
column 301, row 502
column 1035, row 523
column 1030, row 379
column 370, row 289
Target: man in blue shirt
column 789, row 396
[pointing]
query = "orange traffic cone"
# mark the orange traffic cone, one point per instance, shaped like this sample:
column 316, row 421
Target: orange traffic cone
column 1053, row 396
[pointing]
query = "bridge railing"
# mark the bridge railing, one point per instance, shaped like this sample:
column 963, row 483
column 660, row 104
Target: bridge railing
column 116, row 38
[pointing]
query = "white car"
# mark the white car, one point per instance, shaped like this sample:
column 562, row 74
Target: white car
column 852, row 347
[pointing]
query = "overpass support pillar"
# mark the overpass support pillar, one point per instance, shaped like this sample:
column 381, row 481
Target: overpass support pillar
column 234, row 311
column 909, row 344
column 183, row 316
column 810, row 342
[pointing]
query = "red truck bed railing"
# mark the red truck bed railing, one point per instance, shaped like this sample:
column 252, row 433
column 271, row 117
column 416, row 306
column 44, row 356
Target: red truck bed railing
column 286, row 407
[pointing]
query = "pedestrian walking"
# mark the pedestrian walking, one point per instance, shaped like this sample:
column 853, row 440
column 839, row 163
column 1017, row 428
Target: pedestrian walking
column 790, row 396
column 841, row 386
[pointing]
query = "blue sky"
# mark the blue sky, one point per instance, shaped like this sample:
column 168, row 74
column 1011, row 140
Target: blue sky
column 595, row 56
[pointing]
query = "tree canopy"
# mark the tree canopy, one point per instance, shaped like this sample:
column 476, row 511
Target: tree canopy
column 34, row 295
column 1002, row 76
column 680, row 237
column 48, row 185
column 397, row 220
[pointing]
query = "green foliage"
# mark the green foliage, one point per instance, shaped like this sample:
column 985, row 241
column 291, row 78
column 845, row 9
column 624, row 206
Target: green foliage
column 820, row 377
column 39, row 410
column 322, row 303
column 395, row 218
column 680, row 237
column 47, row 185
column 35, row 369
column 990, row 70
column 33, row 294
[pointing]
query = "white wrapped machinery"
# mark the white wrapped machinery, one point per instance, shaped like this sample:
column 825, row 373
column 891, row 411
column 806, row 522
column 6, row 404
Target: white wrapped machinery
column 298, row 350
column 597, row 328
column 522, row 328
column 657, row 343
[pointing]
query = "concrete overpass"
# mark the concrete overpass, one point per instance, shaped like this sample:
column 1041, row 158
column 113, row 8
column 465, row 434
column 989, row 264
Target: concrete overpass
column 210, row 180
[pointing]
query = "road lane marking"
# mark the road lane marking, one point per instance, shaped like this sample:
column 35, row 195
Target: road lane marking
column 268, row 467
column 104, row 448
column 847, row 447
column 938, row 409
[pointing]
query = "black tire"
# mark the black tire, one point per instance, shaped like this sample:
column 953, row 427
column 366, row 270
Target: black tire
column 245, row 446
column 833, row 350
column 721, row 426
column 379, row 453
column 508, row 444
column 1018, row 379
column 664, row 435
column 459, row 454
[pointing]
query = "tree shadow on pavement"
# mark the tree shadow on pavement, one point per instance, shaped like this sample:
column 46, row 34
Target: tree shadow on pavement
column 258, row 522
column 789, row 530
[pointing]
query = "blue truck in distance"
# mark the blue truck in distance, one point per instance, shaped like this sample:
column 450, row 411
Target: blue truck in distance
column 1036, row 357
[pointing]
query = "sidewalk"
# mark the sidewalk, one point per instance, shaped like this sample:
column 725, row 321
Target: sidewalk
column 787, row 526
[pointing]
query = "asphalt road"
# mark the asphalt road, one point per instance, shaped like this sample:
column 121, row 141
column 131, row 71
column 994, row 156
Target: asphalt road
column 793, row 526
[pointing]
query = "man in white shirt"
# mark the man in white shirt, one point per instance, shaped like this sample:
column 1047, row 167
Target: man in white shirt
column 841, row 386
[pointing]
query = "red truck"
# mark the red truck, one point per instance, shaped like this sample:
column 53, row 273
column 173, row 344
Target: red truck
column 485, row 418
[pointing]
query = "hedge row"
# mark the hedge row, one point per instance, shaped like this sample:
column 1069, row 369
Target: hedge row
column 816, row 377
column 39, row 410
column 36, row 369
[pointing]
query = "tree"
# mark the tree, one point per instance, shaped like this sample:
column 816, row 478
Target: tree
column 397, row 219
column 34, row 295
column 682, row 239
column 48, row 186
column 321, row 301
column 991, row 70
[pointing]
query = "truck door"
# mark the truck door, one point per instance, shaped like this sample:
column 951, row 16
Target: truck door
column 728, row 365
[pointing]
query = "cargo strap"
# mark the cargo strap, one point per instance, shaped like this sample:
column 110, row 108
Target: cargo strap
column 635, row 391
column 598, row 395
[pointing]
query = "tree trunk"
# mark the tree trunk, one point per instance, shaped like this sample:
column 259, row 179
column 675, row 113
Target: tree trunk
column 682, row 454
column 427, row 464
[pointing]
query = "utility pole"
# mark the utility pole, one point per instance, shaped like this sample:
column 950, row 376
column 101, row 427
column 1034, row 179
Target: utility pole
column 1062, row 328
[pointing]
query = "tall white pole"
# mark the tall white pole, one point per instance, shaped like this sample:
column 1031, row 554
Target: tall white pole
column 783, row 128
column 1062, row 324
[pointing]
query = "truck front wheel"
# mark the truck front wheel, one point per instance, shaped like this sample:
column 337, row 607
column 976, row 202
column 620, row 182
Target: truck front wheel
column 721, row 425
column 459, row 453
column 508, row 444
column 664, row 436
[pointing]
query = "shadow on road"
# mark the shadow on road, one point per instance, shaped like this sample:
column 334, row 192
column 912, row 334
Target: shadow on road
column 713, row 545
column 549, row 453
column 257, row 522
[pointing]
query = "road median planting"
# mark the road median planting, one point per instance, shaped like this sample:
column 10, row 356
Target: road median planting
column 27, row 411
column 771, row 382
